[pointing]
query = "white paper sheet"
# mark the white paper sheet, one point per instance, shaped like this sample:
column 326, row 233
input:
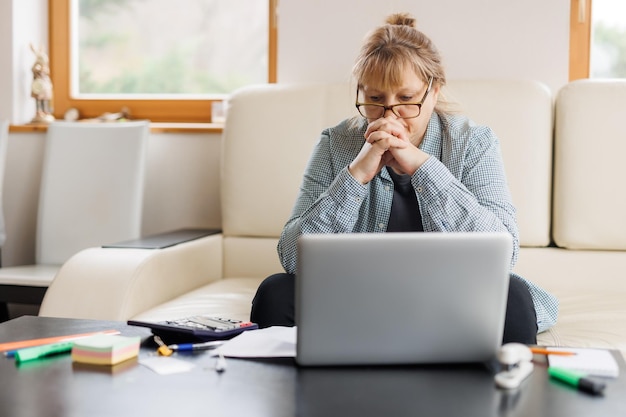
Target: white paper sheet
column 596, row 362
column 271, row 342
column 166, row 365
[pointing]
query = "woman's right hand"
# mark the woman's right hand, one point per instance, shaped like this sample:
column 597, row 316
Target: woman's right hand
column 381, row 135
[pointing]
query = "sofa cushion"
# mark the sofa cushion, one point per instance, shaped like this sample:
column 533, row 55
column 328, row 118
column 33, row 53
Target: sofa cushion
column 589, row 168
column 591, row 292
column 250, row 257
column 229, row 298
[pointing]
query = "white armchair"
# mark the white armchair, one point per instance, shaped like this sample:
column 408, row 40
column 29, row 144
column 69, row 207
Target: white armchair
column 91, row 194
column 4, row 144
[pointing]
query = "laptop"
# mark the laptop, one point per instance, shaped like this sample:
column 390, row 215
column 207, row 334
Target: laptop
column 401, row 298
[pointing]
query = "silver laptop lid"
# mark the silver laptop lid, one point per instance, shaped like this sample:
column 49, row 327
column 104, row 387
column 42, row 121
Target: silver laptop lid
column 401, row 298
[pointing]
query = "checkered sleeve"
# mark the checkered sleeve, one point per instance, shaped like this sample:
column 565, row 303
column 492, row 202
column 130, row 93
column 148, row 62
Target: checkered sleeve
column 328, row 202
column 467, row 190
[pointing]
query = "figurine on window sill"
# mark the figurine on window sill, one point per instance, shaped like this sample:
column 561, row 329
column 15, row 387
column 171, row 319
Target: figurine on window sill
column 41, row 87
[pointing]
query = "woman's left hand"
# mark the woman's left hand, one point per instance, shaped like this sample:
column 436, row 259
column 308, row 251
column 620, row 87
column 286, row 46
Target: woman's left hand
column 402, row 154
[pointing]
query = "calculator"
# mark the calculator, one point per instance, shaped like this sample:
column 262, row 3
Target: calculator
column 199, row 327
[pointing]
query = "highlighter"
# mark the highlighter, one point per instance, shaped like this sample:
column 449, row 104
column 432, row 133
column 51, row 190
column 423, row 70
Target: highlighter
column 578, row 380
column 38, row 352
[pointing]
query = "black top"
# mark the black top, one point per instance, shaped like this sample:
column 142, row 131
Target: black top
column 405, row 211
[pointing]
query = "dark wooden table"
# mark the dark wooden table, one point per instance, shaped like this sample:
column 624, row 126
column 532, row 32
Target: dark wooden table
column 275, row 387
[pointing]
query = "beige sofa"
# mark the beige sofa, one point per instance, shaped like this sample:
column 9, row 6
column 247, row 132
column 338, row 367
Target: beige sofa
column 563, row 155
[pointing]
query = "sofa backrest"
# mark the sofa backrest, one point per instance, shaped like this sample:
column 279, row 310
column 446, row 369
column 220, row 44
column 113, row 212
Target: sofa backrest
column 521, row 114
column 268, row 137
column 271, row 129
column 589, row 165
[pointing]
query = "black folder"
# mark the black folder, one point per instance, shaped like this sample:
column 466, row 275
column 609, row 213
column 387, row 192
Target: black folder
column 164, row 240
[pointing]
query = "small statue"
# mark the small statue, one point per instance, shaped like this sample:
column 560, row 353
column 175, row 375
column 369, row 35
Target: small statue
column 41, row 88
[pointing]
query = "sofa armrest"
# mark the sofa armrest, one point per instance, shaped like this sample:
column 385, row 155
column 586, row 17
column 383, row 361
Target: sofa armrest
column 116, row 284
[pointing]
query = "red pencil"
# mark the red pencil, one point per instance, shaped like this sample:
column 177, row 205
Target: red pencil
column 543, row 351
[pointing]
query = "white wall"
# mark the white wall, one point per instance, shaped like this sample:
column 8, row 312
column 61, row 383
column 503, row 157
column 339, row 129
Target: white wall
column 22, row 22
column 6, row 48
column 318, row 40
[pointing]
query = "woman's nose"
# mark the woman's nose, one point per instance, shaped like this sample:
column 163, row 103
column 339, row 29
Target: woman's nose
column 389, row 112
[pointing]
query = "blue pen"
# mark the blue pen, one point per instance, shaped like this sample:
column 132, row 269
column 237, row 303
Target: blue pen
column 188, row 347
column 10, row 353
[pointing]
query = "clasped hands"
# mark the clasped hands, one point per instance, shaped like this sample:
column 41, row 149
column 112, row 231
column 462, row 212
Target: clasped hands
column 387, row 143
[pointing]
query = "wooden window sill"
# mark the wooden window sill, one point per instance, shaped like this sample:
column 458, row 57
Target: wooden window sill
column 154, row 128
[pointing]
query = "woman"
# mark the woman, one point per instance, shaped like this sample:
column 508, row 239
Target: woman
column 406, row 165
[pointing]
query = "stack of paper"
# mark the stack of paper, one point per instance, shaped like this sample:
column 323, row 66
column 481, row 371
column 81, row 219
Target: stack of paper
column 105, row 349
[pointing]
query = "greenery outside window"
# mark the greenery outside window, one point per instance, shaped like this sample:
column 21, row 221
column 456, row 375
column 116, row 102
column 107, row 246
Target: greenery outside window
column 608, row 39
column 162, row 60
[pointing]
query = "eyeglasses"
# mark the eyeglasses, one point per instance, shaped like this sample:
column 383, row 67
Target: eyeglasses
column 401, row 110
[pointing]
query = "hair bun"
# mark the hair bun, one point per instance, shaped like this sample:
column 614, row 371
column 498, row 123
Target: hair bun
column 401, row 19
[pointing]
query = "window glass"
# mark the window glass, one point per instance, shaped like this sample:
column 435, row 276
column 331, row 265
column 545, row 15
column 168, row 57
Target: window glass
column 164, row 48
column 608, row 39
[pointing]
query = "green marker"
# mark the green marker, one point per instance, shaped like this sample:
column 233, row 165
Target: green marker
column 38, row 352
column 578, row 380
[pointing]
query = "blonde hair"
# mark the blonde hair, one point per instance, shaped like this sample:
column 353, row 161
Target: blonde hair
column 390, row 48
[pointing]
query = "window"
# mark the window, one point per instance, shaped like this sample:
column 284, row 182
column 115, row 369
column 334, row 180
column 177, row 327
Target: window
column 597, row 39
column 608, row 39
column 165, row 61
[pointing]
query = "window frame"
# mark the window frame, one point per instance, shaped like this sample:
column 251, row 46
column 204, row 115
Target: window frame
column 156, row 110
column 580, row 39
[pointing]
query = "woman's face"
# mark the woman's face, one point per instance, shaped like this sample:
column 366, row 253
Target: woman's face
column 411, row 90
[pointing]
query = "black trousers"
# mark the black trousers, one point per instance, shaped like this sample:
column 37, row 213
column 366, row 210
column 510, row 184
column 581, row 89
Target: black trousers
column 274, row 305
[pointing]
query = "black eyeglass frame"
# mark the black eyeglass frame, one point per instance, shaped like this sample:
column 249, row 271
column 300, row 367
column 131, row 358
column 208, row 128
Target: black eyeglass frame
column 393, row 106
